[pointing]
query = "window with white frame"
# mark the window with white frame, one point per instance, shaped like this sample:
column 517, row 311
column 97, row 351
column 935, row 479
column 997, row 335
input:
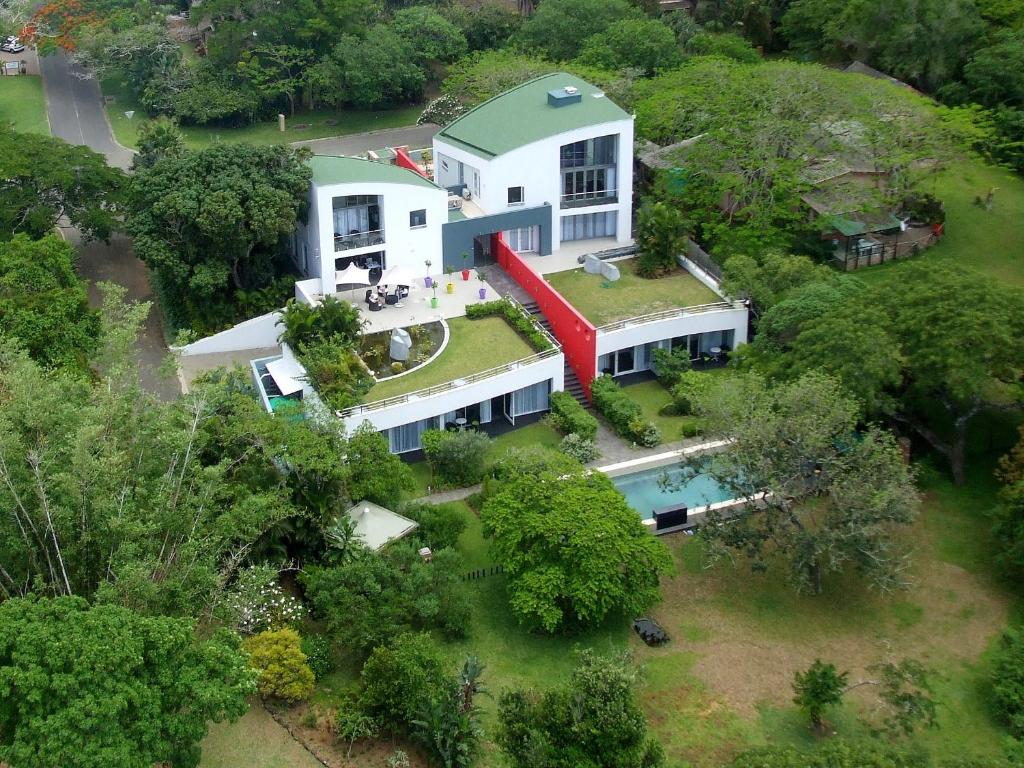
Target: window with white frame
column 523, row 240
column 515, row 196
column 418, row 218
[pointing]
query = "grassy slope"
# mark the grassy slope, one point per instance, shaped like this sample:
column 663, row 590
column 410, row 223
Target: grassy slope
column 22, row 104
column 255, row 741
column 342, row 122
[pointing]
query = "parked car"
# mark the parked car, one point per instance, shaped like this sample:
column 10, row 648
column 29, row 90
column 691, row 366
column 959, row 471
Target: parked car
column 12, row 45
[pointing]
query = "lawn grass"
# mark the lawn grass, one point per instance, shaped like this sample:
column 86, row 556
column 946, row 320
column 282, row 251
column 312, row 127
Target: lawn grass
column 474, row 346
column 988, row 241
column 651, row 396
column 255, row 741
column 23, row 105
column 604, row 302
column 323, row 123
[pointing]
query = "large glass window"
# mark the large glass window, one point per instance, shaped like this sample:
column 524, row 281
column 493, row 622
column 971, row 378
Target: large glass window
column 586, row 226
column 357, row 222
column 522, row 240
column 532, row 399
column 589, row 172
column 407, row 437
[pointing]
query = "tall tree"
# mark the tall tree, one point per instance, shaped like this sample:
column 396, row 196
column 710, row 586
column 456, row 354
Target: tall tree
column 43, row 303
column 71, row 696
column 209, row 223
column 573, row 550
column 820, row 492
column 558, row 28
column 44, row 179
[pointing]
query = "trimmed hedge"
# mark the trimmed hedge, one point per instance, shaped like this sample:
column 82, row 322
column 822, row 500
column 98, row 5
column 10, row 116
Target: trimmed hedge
column 520, row 323
column 571, row 418
column 624, row 415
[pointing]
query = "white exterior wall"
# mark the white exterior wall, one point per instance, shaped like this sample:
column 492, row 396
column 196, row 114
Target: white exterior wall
column 537, row 168
column 552, row 368
column 255, row 333
column 685, row 325
column 402, row 245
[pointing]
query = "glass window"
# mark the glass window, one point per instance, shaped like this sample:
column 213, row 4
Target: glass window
column 515, row 195
column 532, row 399
column 418, row 218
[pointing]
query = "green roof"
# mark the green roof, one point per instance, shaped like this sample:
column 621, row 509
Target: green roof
column 330, row 169
column 852, row 227
column 523, row 115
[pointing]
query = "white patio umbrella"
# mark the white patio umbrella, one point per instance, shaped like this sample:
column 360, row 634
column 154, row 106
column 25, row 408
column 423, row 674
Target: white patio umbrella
column 398, row 275
column 352, row 275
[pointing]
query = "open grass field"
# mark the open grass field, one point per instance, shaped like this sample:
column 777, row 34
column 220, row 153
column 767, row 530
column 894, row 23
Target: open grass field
column 22, row 104
column 255, row 741
column 474, row 346
column 991, row 242
column 603, row 302
column 320, row 123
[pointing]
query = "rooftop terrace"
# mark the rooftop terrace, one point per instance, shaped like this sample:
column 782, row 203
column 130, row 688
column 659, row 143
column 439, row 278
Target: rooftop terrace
column 603, row 302
column 474, row 346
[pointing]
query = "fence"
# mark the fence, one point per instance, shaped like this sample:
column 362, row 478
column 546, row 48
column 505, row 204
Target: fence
column 577, row 334
column 700, row 257
column 880, row 252
column 668, row 314
column 480, row 573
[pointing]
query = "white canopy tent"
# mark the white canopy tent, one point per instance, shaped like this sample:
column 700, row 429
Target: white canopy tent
column 353, row 276
column 287, row 372
column 398, row 275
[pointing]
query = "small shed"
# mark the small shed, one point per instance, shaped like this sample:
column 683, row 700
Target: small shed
column 377, row 526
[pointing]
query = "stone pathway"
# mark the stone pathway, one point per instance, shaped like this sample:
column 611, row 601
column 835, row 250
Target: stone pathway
column 456, row 494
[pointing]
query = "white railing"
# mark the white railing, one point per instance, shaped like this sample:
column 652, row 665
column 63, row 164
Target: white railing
column 448, row 386
column 581, row 199
column 669, row 314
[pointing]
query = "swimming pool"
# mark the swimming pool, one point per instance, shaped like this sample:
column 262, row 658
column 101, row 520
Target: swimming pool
column 644, row 492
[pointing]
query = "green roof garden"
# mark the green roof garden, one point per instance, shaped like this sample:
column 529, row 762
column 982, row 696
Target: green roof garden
column 603, row 302
column 331, row 169
column 522, row 115
column 474, row 346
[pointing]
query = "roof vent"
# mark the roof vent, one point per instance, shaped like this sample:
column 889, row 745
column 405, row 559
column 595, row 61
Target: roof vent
column 560, row 97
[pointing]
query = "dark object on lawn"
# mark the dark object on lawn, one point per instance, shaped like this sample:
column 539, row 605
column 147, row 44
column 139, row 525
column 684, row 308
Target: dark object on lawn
column 650, row 632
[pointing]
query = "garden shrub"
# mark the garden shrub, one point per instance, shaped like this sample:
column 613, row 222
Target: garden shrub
column 625, row 415
column 581, row 449
column 688, row 388
column 520, row 323
column 1008, row 682
column 670, row 365
column 660, row 238
column 571, row 418
column 336, row 372
column 440, row 524
column 456, row 458
column 318, row 655
column 282, row 666
column 332, row 319
column 399, row 678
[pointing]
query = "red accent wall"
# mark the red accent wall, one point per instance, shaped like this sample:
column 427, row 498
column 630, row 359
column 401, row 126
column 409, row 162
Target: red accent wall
column 577, row 335
column 403, row 159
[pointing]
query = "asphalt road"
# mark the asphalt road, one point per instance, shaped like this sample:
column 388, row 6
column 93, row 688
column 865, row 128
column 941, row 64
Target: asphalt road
column 413, row 136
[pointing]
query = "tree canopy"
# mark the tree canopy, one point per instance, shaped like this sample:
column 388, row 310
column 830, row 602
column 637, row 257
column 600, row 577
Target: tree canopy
column 558, row 27
column 572, row 548
column 69, row 696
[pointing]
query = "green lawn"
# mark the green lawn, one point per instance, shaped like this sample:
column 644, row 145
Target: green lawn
column 651, row 396
column 322, row 123
column 474, row 346
column 22, row 104
column 991, row 242
column 604, row 302
column 255, row 741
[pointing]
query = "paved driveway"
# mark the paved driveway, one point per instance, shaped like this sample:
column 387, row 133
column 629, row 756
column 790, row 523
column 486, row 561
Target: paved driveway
column 413, row 136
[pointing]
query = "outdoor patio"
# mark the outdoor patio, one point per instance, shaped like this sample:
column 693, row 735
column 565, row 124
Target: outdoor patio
column 569, row 253
column 415, row 308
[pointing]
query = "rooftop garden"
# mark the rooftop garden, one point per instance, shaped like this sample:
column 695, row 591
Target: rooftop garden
column 473, row 346
column 601, row 301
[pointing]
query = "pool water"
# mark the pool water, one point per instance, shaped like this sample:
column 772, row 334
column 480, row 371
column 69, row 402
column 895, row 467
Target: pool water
column 644, row 492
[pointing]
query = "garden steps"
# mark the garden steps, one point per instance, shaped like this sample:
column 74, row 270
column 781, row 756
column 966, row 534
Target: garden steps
column 572, row 383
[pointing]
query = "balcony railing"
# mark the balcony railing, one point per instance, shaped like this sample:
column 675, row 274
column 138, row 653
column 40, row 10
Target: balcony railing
column 669, row 314
column 582, row 199
column 448, row 386
column 358, row 240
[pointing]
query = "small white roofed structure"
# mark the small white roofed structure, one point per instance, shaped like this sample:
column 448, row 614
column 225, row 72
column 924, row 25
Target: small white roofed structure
column 398, row 275
column 287, row 372
column 377, row 526
column 352, row 275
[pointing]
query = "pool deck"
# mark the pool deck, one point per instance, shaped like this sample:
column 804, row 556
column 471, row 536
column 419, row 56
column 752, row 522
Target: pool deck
column 659, row 459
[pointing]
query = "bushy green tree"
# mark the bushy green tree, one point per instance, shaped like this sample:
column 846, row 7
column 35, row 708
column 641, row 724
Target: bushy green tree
column 644, row 44
column 572, row 549
column 85, row 686
column 156, row 139
column 431, row 35
column 399, row 678
column 375, row 473
column 45, row 178
column 486, row 27
column 661, row 238
column 43, row 303
column 817, row 689
column 440, row 525
column 558, row 28
column 821, row 492
column 724, row 45
column 593, row 720
column 456, row 459
column 276, row 656
column 378, row 70
column 209, row 223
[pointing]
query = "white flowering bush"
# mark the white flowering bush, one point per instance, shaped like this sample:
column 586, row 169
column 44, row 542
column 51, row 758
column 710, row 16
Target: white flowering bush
column 257, row 602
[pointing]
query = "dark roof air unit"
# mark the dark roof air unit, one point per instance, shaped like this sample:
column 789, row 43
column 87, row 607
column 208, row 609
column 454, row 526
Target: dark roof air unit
column 561, row 97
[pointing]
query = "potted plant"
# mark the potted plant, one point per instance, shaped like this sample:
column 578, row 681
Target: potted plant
column 482, row 276
column 449, row 271
column 427, row 281
column 433, row 301
column 465, row 267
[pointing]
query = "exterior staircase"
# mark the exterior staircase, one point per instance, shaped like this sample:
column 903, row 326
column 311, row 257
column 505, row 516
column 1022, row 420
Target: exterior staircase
column 572, row 382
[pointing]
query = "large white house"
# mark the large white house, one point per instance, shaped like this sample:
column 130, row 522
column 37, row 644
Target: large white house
column 556, row 141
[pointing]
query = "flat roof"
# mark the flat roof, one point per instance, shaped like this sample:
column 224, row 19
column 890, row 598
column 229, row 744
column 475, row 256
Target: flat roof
column 523, row 115
column 334, row 169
